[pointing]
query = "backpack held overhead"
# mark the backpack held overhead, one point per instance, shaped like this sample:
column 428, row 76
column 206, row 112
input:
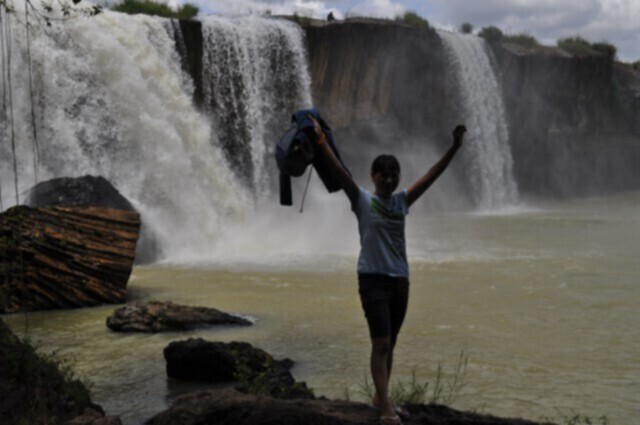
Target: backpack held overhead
column 297, row 149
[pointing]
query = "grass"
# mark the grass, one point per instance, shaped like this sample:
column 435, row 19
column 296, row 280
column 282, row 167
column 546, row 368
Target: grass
column 37, row 386
column 574, row 418
column 148, row 7
column 416, row 392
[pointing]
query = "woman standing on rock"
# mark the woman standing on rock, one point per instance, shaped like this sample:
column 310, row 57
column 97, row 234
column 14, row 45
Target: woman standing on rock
column 383, row 270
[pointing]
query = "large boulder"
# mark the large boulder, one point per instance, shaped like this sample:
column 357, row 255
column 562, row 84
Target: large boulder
column 254, row 369
column 65, row 257
column 92, row 191
column 230, row 407
column 95, row 191
column 156, row 316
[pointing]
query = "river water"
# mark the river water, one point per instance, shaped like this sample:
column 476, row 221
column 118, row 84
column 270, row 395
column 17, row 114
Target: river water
column 542, row 300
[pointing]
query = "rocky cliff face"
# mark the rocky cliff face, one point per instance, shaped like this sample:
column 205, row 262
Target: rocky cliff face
column 571, row 120
column 377, row 72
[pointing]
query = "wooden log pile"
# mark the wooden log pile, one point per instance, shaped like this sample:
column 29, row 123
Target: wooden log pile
column 65, row 257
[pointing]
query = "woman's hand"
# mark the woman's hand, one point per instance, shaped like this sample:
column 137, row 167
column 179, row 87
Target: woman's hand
column 458, row 134
column 320, row 136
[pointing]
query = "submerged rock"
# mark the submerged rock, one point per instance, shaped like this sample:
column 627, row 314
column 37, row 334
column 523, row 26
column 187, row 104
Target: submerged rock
column 255, row 369
column 65, row 257
column 155, row 316
column 230, row 407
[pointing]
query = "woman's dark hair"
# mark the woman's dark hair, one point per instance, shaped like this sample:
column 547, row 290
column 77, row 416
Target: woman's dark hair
column 385, row 162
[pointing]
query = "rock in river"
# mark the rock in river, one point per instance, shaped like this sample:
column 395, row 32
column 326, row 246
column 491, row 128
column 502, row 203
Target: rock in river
column 155, row 316
column 254, row 369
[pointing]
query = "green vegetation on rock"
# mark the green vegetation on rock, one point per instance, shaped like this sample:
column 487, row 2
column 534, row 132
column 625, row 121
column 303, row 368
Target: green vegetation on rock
column 491, row 34
column 523, row 39
column 148, row 7
column 413, row 19
column 579, row 46
column 36, row 388
column 466, row 28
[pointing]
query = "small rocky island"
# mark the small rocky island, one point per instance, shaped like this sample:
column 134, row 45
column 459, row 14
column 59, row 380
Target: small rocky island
column 156, row 316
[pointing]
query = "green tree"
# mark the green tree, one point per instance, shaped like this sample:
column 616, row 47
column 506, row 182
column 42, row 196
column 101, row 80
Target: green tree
column 148, row 7
column 413, row 19
column 491, row 34
column 466, row 28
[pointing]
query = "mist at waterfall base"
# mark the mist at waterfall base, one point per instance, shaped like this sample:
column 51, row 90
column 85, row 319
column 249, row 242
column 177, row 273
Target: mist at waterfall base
column 540, row 296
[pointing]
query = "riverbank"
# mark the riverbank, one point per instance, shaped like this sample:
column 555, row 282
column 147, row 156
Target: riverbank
column 41, row 389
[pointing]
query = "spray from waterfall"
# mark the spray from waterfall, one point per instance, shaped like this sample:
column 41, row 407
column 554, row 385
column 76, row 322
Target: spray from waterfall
column 487, row 151
column 113, row 100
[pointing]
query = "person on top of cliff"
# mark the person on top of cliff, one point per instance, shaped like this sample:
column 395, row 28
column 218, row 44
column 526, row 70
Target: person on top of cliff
column 383, row 270
column 330, row 17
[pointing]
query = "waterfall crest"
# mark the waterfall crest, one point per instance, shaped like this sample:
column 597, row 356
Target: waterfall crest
column 112, row 99
column 254, row 76
column 487, row 151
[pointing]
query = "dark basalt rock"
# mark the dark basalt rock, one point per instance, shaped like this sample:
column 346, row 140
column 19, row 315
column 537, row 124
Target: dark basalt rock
column 77, row 192
column 230, row 407
column 256, row 370
column 92, row 191
column 158, row 316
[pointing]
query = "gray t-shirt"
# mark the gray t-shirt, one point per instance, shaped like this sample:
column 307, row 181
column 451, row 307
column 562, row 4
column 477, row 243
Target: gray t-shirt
column 383, row 249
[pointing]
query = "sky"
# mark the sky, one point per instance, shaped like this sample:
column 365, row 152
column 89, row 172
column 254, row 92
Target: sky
column 613, row 21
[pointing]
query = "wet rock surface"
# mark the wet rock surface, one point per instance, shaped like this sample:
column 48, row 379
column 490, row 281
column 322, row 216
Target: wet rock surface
column 229, row 406
column 252, row 369
column 158, row 316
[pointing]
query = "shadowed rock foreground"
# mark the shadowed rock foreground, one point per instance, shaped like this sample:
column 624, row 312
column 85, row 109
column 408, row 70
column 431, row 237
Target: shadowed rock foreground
column 230, row 407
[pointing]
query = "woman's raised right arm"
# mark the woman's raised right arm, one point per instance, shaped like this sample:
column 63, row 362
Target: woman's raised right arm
column 349, row 186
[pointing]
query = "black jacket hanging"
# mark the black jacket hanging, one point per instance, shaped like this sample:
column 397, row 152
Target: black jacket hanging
column 297, row 149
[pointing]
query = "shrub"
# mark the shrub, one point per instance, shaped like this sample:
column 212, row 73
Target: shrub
column 636, row 65
column 607, row 49
column 301, row 20
column 523, row 39
column 491, row 34
column 466, row 28
column 577, row 45
column 148, row 7
column 413, row 19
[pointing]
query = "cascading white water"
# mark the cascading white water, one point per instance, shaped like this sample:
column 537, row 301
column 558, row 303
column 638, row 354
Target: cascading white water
column 254, row 76
column 112, row 100
column 487, row 149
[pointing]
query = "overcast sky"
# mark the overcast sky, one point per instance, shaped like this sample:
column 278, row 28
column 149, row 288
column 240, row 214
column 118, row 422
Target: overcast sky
column 615, row 21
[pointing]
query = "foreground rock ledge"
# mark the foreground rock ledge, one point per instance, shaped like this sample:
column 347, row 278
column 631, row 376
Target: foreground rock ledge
column 65, row 257
column 156, row 316
column 231, row 407
column 33, row 390
column 253, row 369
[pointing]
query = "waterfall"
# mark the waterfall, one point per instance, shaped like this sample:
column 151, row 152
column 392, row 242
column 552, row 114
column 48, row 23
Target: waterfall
column 486, row 151
column 254, row 75
column 112, row 99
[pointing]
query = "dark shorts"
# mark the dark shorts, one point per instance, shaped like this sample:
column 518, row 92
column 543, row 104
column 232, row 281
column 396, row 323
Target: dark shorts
column 384, row 301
